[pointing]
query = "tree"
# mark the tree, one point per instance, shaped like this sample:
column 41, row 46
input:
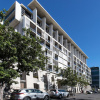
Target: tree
column 18, row 54
column 69, row 78
column 82, row 82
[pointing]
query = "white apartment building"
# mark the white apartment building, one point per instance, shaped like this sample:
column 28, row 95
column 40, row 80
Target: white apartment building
column 60, row 48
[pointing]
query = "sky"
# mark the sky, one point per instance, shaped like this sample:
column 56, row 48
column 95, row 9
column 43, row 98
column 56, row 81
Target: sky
column 79, row 18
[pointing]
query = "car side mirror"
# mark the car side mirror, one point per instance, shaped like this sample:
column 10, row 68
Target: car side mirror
column 41, row 92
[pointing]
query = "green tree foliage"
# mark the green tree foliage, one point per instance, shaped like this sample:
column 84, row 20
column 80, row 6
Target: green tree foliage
column 3, row 14
column 69, row 78
column 18, row 54
column 82, row 81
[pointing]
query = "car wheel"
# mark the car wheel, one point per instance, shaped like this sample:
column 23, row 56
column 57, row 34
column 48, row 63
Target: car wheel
column 26, row 98
column 46, row 97
column 60, row 96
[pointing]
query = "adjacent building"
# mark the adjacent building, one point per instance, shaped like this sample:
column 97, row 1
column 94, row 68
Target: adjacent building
column 95, row 73
column 61, row 50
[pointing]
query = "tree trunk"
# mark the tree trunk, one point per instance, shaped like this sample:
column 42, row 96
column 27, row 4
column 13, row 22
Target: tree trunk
column 1, row 91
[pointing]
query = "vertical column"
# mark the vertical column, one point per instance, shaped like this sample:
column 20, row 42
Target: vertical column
column 61, row 39
column 35, row 15
column 56, row 35
column 44, row 23
column 82, row 58
column 70, row 46
column 66, row 44
column 48, row 78
column 24, row 25
column 85, row 60
column 78, row 54
column 72, row 58
column 51, row 42
column 51, row 29
column 75, row 51
column 17, row 11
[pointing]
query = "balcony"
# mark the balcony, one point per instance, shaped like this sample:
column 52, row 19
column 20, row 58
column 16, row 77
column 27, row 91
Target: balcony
column 41, row 43
column 50, row 61
column 39, row 33
column 39, row 24
column 10, row 13
column 49, row 68
column 42, row 35
column 56, row 57
column 33, row 30
column 55, row 50
column 25, row 12
column 13, row 21
column 48, row 47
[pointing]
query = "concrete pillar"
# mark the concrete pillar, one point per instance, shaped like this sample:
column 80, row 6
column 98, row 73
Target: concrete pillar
column 70, row 46
column 35, row 15
column 61, row 39
column 44, row 23
column 72, row 58
column 26, row 24
column 51, row 29
column 56, row 35
column 82, row 58
column 78, row 54
column 85, row 60
column 66, row 44
column 17, row 11
column 75, row 51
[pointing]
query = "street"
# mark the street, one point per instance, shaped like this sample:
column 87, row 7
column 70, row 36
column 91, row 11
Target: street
column 95, row 96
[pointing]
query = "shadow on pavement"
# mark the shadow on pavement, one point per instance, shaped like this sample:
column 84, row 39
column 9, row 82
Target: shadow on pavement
column 75, row 99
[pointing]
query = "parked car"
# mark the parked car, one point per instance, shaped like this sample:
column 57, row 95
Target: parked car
column 29, row 94
column 89, row 92
column 58, row 93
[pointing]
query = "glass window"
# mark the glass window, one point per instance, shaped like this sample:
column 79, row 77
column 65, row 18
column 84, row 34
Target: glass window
column 38, row 91
column 29, row 90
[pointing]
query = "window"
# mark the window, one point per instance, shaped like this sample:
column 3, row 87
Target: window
column 30, row 90
column 38, row 91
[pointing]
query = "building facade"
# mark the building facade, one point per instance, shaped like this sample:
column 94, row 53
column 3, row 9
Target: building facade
column 61, row 50
column 95, row 73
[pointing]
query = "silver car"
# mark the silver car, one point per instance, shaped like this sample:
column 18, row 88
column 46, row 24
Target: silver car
column 59, row 93
column 29, row 94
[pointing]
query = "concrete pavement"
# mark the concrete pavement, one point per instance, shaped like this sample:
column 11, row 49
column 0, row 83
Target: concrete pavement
column 94, row 96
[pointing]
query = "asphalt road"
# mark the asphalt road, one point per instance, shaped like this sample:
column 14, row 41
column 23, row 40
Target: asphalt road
column 94, row 96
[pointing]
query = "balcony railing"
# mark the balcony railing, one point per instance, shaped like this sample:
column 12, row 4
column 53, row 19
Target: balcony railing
column 39, row 33
column 33, row 30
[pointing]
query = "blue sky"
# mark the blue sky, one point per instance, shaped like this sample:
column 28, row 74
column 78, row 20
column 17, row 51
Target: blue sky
column 79, row 18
